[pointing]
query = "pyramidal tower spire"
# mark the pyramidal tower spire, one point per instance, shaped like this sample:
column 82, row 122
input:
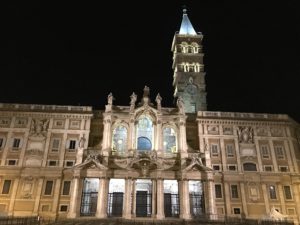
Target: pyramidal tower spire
column 189, row 76
column 186, row 25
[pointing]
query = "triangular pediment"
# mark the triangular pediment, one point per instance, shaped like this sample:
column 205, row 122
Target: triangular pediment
column 92, row 162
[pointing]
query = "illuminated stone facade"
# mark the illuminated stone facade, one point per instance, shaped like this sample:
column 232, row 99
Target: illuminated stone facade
column 146, row 160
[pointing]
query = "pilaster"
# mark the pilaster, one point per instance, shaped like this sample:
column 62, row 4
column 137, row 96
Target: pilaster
column 184, row 199
column 102, row 198
column 127, row 203
column 160, row 199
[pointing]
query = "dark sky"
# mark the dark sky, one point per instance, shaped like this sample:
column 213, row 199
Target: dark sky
column 76, row 52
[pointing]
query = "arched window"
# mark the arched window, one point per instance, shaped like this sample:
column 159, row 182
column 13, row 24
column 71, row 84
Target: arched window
column 169, row 140
column 144, row 133
column 249, row 167
column 119, row 139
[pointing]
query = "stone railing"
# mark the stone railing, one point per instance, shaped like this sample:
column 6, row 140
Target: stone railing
column 33, row 107
column 238, row 115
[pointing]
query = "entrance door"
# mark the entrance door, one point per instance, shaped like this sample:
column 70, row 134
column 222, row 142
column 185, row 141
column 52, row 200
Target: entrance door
column 168, row 204
column 141, row 203
column 89, row 197
column 117, row 203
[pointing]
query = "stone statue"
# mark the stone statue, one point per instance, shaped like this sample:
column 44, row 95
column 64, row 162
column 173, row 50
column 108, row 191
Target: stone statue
column 180, row 105
column 110, row 99
column 158, row 101
column 133, row 98
column 146, row 91
column 146, row 99
column 82, row 142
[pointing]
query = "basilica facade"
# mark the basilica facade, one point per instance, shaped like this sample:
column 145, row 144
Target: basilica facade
column 145, row 160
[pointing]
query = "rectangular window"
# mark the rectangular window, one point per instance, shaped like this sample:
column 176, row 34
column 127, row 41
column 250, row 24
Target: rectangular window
column 236, row 211
column 229, row 150
column 279, row 152
column 265, row 151
column 69, row 163
column 287, row 192
column 214, row 150
column 268, row 168
column 283, row 168
column 72, row 145
column 231, row 167
column 11, row 162
column 218, row 190
column 48, row 187
column 272, row 192
column 6, row 186
column 63, row 208
column 55, row 145
column 216, row 167
column 52, row 163
column 16, row 143
column 66, row 188
column 234, row 191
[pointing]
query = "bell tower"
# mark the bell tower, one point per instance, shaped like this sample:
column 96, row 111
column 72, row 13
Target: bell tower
column 189, row 76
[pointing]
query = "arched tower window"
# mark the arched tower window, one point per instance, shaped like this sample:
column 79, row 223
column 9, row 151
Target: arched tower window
column 169, row 140
column 119, row 139
column 144, row 133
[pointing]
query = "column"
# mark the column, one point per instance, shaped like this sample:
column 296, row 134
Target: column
column 294, row 158
column 160, row 199
column 266, row 197
column 238, row 157
column 46, row 149
column 127, row 199
column 244, row 200
column 107, row 132
column 38, row 196
column 75, row 199
column 273, row 156
column 8, row 145
column 260, row 165
column 158, row 143
column 223, row 154
column 13, row 197
column 211, row 207
column 62, row 151
column 130, row 134
column 102, row 198
column 184, row 199
column 182, row 136
column 288, row 155
column 200, row 135
column 56, row 195
column 23, row 149
column 281, row 198
column 133, row 197
column 297, row 199
column 227, row 198
column 154, row 191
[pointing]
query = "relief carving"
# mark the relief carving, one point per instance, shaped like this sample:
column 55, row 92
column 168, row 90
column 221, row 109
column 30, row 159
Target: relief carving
column 245, row 134
column 276, row 131
column 262, row 131
column 145, row 162
column 39, row 127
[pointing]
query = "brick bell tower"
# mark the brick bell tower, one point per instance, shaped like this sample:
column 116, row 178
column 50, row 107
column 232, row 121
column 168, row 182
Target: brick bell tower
column 189, row 76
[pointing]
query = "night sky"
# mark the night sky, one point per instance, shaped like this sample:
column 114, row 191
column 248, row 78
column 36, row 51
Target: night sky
column 77, row 52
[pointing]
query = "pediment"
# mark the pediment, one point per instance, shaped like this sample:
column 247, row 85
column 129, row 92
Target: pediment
column 91, row 162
